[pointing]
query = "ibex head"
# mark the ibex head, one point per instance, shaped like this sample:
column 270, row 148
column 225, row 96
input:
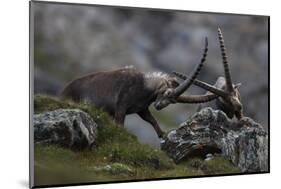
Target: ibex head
column 165, row 92
column 229, row 96
column 171, row 91
column 231, row 100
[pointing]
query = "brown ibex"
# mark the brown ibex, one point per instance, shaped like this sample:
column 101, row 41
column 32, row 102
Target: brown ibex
column 229, row 100
column 126, row 91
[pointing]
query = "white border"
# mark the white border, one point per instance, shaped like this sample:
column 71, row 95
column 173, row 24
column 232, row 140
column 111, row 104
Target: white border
column 14, row 97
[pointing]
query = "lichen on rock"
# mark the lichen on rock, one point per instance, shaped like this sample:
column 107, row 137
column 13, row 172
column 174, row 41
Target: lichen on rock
column 243, row 142
column 70, row 128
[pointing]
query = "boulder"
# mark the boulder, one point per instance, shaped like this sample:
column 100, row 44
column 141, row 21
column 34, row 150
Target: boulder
column 70, row 128
column 243, row 142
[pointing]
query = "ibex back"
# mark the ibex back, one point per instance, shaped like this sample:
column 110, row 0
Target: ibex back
column 126, row 91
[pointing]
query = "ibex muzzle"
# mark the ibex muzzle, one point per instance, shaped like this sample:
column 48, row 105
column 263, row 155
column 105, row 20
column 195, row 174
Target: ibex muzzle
column 128, row 91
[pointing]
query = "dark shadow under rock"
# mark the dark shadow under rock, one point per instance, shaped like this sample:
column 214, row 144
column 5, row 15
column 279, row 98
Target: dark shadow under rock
column 70, row 128
column 243, row 142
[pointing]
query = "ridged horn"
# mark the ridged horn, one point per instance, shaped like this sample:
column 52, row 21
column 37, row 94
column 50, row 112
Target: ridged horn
column 227, row 75
column 210, row 88
column 187, row 83
column 203, row 85
column 196, row 98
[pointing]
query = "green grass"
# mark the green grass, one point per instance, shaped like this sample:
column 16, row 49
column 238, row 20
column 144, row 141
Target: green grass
column 218, row 165
column 117, row 155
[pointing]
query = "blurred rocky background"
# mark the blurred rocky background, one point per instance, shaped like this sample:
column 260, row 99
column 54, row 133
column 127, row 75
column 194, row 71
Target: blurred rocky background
column 73, row 40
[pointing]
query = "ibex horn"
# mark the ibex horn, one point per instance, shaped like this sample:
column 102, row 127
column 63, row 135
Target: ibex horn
column 187, row 83
column 196, row 98
column 225, row 63
column 203, row 85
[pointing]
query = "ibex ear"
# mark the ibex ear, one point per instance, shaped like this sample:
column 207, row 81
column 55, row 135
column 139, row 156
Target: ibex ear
column 236, row 86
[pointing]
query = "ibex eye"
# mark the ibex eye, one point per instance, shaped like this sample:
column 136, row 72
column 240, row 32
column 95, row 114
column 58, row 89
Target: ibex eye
column 168, row 92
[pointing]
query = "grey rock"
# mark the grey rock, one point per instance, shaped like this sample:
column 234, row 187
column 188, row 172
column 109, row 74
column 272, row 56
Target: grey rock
column 71, row 128
column 244, row 142
column 209, row 157
column 115, row 168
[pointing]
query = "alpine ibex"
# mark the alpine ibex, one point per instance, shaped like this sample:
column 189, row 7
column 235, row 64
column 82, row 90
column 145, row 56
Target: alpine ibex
column 126, row 91
column 229, row 100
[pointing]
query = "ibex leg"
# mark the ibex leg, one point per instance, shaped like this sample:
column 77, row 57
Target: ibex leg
column 146, row 115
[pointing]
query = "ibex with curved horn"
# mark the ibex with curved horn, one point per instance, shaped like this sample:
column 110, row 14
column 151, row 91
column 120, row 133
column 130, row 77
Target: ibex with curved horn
column 126, row 91
column 229, row 99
